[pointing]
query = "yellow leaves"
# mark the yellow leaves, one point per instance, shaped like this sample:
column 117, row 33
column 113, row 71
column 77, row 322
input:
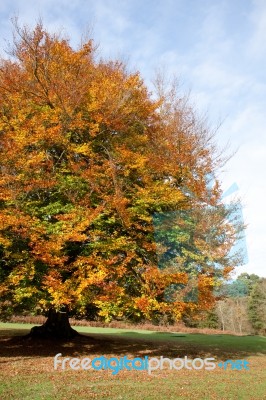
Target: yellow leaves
column 74, row 236
column 131, row 159
column 22, row 273
column 113, row 304
column 116, row 100
column 158, row 193
column 4, row 241
column 163, row 278
column 83, row 149
column 146, row 305
column 60, row 292
column 15, row 279
column 24, row 293
column 35, row 159
column 89, row 271
column 142, row 303
column 87, row 159
column 133, row 81
column 96, row 278
column 74, row 223
column 19, row 221
column 206, row 298
column 205, row 281
column 49, row 252
column 178, row 310
column 94, row 128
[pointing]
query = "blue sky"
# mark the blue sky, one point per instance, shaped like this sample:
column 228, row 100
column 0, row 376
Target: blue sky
column 216, row 48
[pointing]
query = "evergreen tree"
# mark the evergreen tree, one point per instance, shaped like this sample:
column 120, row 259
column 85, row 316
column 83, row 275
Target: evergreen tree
column 257, row 307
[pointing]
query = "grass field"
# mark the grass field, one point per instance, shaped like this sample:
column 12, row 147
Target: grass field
column 27, row 366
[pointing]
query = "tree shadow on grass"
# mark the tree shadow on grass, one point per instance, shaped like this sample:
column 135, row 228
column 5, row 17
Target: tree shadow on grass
column 12, row 344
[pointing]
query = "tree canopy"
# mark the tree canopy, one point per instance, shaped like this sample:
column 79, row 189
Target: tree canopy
column 101, row 183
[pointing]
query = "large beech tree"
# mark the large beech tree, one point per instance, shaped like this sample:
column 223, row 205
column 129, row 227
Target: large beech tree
column 88, row 160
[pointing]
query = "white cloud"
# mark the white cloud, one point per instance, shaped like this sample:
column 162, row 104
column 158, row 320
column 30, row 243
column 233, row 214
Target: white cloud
column 218, row 48
column 257, row 42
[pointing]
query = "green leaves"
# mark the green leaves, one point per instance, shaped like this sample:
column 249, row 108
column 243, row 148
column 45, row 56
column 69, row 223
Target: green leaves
column 91, row 165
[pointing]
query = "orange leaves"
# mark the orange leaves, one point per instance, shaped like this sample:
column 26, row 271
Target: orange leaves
column 59, row 291
column 227, row 271
column 117, row 100
column 143, row 303
column 48, row 252
column 157, row 280
column 206, row 298
column 88, row 157
column 19, row 221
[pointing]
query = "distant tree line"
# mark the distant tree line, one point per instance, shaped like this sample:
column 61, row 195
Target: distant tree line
column 241, row 307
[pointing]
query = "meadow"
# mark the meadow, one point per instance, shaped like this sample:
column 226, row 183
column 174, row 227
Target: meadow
column 27, row 366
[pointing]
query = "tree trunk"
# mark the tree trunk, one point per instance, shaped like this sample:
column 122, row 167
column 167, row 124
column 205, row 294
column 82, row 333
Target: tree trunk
column 56, row 326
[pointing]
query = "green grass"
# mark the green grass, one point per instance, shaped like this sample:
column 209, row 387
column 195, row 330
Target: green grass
column 249, row 344
column 27, row 366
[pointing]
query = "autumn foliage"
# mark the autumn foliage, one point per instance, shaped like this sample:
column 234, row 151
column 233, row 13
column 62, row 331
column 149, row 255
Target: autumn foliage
column 89, row 160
